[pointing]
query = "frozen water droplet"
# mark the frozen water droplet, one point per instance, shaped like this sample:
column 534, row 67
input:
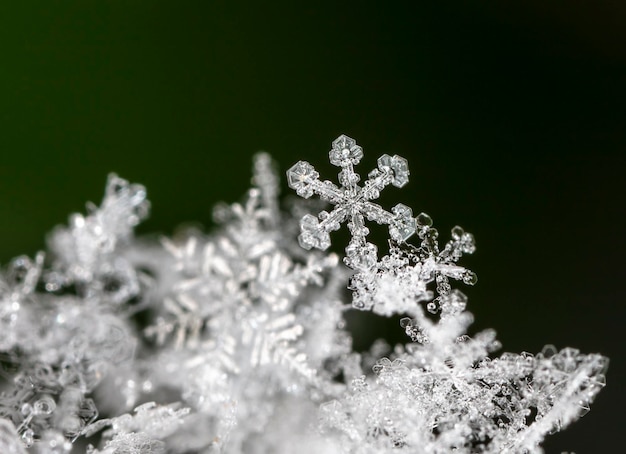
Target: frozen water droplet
column 468, row 245
column 381, row 364
column 549, row 351
column 53, row 442
column 457, row 233
column 413, row 330
column 470, row 278
column 26, row 409
column 19, row 268
column 494, row 345
column 423, row 220
column 432, row 307
column 443, row 286
column 28, row 437
column 44, row 406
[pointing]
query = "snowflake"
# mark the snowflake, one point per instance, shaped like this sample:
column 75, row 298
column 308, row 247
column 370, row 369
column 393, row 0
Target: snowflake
column 398, row 281
column 352, row 202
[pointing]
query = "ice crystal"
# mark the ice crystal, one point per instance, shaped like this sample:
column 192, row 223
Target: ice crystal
column 235, row 341
column 352, row 202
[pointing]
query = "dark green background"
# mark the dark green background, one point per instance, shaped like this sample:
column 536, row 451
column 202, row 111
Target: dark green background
column 511, row 113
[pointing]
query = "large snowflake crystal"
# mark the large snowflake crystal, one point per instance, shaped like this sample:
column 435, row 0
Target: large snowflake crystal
column 353, row 203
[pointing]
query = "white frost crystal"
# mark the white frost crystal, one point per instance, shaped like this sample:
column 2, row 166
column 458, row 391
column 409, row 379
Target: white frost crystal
column 236, row 341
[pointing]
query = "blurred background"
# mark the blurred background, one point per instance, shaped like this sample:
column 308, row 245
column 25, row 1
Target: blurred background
column 512, row 116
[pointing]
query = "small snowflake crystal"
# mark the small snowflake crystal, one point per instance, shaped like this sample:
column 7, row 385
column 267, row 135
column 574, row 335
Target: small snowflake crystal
column 236, row 341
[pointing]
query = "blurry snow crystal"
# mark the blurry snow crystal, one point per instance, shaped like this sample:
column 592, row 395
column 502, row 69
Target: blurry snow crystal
column 235, row 341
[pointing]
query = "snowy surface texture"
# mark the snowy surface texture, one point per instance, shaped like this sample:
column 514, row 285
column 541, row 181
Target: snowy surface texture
column 235, row 341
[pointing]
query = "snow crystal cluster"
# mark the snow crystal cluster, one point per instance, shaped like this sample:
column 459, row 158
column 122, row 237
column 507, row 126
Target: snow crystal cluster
column 235, row 341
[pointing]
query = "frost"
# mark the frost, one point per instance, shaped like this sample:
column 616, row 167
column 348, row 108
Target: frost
column 9, row 440
column 140, row 432
column 235, row 340
column 82, row 248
